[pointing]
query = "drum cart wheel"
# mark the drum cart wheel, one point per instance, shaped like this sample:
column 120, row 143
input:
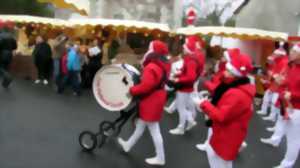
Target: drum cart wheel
column 88, row 141
column 107, row 130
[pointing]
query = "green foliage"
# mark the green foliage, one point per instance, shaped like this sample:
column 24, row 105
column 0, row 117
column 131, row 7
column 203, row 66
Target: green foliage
column 25, row 7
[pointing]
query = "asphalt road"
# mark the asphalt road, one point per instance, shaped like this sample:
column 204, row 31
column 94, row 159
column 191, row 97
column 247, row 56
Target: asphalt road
column 39, row 129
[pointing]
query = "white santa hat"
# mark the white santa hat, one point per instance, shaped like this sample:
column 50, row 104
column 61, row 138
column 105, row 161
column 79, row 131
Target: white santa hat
column 238, row 64
column 296, row 47
column 280, row 52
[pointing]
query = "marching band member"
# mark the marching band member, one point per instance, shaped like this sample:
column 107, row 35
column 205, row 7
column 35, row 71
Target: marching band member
column 152, row 100
column 230, row 110
column 280, row 63
column 193, row 67
column 211, row 86
column 176, row 65
column 280, row 126
column 267, row 83
column 292, row 114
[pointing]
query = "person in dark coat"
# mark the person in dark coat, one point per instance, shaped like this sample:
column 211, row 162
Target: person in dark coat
column 42, row 59
column 95, row 56
column 7, row 46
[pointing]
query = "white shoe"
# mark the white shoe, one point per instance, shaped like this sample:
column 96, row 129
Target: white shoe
column 155, row 161
column 45, row 82
column 124, row 145
column 269, row 141
column 260, row 112
column 37, row 81
column 243, row 146
column 177, row 131
column 269, row 118
column 271, row 129
column 202, row 147
column 278, row 166
column 168, row 110
column 191, row 125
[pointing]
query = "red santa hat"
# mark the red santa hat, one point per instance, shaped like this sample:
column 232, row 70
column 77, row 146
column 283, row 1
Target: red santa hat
column 280, row 52
column 193, row 43
column 232, row 52
column 239, row 65
column 296, row 47
column 157, row 47
column 191, row 15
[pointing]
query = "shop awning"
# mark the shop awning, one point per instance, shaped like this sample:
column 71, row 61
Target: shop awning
column 234, row 32
column 79, row 6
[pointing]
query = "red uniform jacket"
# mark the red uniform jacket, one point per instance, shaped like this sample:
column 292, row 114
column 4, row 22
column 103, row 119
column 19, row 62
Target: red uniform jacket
column 279, row 66
column 292, row 84
column 230, row 119
column 153, row 97
column 190, row 71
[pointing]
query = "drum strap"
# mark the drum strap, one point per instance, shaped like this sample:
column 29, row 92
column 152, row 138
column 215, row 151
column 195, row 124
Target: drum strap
column 164, row 77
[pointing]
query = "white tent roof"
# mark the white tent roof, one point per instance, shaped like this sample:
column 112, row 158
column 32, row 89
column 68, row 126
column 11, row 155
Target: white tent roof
column 117, row 23
column 235, row 32
column 33, row 19
column 85, row 22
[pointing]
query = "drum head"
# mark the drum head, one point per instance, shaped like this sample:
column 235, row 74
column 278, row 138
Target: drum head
column 111, row 86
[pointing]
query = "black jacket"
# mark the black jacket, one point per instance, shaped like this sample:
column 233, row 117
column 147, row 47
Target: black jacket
column 7, row 45
column 42, row 53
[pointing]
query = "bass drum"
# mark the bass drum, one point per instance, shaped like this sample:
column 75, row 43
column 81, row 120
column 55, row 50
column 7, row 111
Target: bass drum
column 111, row 86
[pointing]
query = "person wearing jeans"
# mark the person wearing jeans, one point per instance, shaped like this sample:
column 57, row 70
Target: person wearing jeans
column 73, row 67
column 58, row 49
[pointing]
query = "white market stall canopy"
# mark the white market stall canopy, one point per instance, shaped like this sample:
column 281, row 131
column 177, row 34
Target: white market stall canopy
column 32, row 19
column 85, row 22
column 234, row 32
column 119, row 23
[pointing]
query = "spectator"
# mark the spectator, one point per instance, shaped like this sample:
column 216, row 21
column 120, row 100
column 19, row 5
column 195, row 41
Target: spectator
column 94, row 61
column 42, row 59
column 73, row 65
column 7, row 45
column 59, row 48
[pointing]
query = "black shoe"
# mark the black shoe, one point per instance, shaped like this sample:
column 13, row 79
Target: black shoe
column 6, row 83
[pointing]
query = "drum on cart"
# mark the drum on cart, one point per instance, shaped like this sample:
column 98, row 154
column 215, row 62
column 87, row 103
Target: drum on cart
column 111, row 86
column 111, row 89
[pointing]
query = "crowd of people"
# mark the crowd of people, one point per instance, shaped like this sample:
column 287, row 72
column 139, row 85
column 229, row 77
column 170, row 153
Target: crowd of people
column 67, row 62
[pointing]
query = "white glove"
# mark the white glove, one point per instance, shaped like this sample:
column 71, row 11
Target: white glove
column 197, row 100
column 167, row 88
